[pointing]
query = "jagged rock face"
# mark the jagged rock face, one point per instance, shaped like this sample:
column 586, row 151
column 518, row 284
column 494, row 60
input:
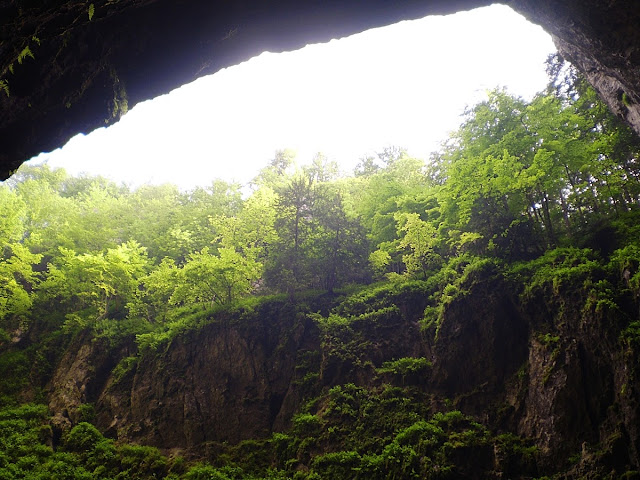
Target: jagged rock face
column 81, row 375
column 225, row 383
column 71, row 67
column 235, row 380
column 480, row 344
column 601, row 38
column 553, row 368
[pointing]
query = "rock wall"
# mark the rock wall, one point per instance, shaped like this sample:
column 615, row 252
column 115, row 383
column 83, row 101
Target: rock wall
column 224, row 383
column 601, row 39
column 553, row 368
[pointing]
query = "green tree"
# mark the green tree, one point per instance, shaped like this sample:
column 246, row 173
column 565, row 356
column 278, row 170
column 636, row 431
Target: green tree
column 13, row 211
column 321, row 169
column 252, row 229
column 158, row 222
column 153, row 300
column 517, row 174
column 288, row 267
column 17, row 281
column 366, row 167
column 216, row 279
column 382, row 194
column 339, row 243
column 95, row 285
column 276, row 173
column 102, row 219
column 419, row 239
column 46, row 217
column 221, row 198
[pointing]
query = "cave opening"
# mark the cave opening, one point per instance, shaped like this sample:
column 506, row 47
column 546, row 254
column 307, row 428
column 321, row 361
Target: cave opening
column 472, row 313
column 405, row 85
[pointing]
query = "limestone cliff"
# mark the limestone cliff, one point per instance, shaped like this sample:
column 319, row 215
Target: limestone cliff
column 552, row 365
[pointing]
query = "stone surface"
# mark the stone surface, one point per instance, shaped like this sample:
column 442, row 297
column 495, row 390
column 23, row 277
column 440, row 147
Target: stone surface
column 552, row 368
column 225, row 383
column 601, row 38
column 71, row 67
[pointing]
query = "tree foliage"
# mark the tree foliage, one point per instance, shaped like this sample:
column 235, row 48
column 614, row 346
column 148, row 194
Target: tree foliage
column 518, row 178
column 209, row 279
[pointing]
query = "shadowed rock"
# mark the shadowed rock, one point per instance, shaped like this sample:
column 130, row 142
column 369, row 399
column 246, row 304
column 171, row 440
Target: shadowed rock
column 68, row 68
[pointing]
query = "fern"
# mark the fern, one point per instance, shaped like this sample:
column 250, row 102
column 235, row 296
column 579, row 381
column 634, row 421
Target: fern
column 91, row 11
column 4, row 85
column 26, row 52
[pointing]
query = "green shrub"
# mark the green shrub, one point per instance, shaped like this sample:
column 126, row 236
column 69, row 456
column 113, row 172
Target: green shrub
column 62, row 466
column 123, row 367
column 625, row 264
column 548, row 339
column 558, row 268
column 306, row 424
column 14, row 371
column 405, row 366
column 82, row 438
column 86, row 413
column 337, row 464
column 207, row 472
column 141, row 462
column 381, row 296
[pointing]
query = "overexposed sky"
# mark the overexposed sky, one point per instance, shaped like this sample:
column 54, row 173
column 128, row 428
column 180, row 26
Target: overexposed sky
column 404, row 85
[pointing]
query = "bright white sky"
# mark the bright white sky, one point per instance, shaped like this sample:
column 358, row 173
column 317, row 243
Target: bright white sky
column 404, row 85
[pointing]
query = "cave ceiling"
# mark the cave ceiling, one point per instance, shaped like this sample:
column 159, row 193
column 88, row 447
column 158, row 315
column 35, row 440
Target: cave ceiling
column 69, row 67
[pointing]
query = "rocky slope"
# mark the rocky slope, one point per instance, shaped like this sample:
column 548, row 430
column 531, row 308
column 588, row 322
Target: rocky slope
column 555, row 364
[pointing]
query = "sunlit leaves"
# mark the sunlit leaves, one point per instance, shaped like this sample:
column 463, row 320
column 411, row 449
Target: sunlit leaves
column 379, row 260
column 97, row 285
column 419, row 239
column 208, row 279
column 252, row 229
column 17, row 279
column 152, row 300
column 13, row 210
column 522, row 175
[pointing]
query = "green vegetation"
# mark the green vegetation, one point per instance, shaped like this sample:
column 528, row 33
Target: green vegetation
column 399, row 443
column 26, row 452
column 543, row 195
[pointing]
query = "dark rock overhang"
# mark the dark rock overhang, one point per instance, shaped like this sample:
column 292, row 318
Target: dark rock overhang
column 69, row 67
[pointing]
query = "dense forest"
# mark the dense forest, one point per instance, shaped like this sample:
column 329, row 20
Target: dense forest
column 528, row 202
